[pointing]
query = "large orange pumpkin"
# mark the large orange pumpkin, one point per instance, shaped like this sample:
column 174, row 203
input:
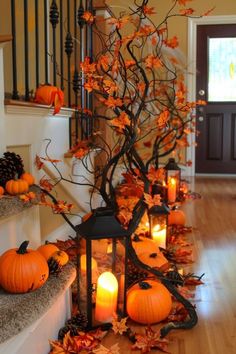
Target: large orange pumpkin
column 50, row 95
column 26, row 176
column 22, row 270
column 18, row 186
column 148, row 302
column 47, row 250
column 176, row 217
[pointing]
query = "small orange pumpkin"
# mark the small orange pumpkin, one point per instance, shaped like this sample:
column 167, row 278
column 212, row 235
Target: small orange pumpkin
column 1, row 190
column 154, row 260
column 47, row 250
column 148, row 302
column 143, row 244
column 176, row 217
column 50, row 95
column 26, row 176
column 18, row 186
column 61, row 257
column 22, row 270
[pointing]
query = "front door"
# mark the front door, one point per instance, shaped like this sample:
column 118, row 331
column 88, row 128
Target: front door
column 216, row 84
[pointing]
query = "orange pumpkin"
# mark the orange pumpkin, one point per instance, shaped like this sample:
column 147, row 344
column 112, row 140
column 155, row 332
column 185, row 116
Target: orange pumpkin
column 154, row 260
column 176, row 217
column 143, row 244
column 28, row 178
column 47, row 250
column 18, row 186
column 50, row 95
column 1, row 190
column 61, row 257
column 148, row 302
column 22, row 270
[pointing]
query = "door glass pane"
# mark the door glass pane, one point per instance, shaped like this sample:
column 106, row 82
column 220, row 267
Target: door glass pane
column 222, row 69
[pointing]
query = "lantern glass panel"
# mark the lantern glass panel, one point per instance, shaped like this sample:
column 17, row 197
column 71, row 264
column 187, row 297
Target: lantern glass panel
column 158, row 229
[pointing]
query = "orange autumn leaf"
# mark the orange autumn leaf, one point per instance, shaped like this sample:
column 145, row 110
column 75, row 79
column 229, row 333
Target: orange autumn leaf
column 163, row 118
column 45, row 184
column 121, row 122
column 120, row 22
column 125, row 216
column 145, row 30
column 186, row 12
column 148, row 10
column 61, row 207
column 156, row 175
column 147, row 144
column 119, row 326
column 88, row 67
column 152, row 62
column 112, row 102
column 129, row 63
column 103, row 63
column 109, row 86
column 38, row 162
column 141, row 87
column 28, row 197
column 172, row 42
column 81, row 152
column 91, row 84
column 183, row 2
column 88, row 17
column 150, row 340
column 152, row 201
column 68, row 345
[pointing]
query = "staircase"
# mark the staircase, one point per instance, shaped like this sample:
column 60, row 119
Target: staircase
column 23, row 130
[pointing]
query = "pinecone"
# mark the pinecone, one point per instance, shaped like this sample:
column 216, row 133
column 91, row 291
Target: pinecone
column 135, row 274
column 11, row 166
column 62, row 331
column 79, row 321
column 54, row 266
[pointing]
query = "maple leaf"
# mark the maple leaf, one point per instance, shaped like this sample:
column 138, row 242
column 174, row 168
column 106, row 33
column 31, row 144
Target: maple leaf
column 88, row 17
column 146, row 342
column 120, row 22
column 163, row 118
column 38, row 163
column 119, row 327
column 152, row 62
column 61, row 207
column 103, row 350
column 172, row 42
column 156, row 175
column 112, row 102
column 103, row 63
column 129, row 63
column 28, row 197
column 152, row 201
column 183, row 2
column 121, row 122
column 186, row 12
column 178, row 313
column 109, row 86
column 91, row 84
column 88, row 67
column 85, row 341
column 45, row 184
column 148, row 10
column 124, row 217
column 68, row 345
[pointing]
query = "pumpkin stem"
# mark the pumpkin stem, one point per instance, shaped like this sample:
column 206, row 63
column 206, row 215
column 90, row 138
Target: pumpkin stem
column 153, row 255
column 144, row 285
column 23, row 248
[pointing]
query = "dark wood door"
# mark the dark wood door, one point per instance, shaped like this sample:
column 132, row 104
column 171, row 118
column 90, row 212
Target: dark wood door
column 216, row 84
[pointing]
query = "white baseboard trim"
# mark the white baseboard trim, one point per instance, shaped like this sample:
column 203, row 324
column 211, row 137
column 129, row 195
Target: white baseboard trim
column 215, row 175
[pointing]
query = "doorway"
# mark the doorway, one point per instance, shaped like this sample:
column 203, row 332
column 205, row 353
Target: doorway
column 216, row 150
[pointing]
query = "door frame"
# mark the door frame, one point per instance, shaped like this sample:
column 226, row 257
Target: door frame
column 191, row 75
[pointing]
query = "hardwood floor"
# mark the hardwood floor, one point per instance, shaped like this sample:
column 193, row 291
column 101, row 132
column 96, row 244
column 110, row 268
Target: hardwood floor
column 214, row 220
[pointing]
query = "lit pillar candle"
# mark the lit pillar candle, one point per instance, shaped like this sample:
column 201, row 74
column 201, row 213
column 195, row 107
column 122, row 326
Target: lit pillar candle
column 159, row 235
column 171, row 193
column 106, row 297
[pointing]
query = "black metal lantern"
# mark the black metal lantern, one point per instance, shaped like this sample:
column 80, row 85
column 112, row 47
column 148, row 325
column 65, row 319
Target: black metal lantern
column 173, row 178
column 158, row 221
column 102, row 267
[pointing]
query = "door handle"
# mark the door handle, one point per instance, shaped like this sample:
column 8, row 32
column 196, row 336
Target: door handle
column 201, row 92
column 201, row 119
